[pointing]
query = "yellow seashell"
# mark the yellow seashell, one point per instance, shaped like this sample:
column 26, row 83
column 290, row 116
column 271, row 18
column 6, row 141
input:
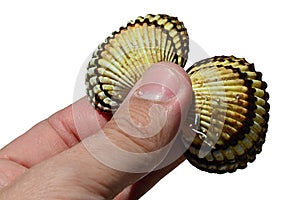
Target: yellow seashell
column 230, row 112
column 120, row 61
column 228, row 122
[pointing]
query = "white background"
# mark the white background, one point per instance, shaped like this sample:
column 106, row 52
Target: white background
column 44, row 43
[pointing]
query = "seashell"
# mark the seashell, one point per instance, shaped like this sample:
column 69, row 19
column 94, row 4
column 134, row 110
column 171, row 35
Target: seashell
column 120, row 61
column 228, row 122
column 229, row 117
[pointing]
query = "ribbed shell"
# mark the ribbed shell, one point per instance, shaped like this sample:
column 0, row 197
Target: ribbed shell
column 120, row 61
column 230, row 114
column 228, row 121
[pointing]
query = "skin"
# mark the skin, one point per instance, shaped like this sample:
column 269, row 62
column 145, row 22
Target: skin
column 50, row 161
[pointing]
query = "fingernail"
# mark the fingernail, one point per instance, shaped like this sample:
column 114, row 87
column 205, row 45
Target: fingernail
column 154, row 92
column 159, row 83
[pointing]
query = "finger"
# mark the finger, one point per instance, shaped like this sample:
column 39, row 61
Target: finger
column 138, row 189
column 129, row 146
column 9, row 170
column 55, row 134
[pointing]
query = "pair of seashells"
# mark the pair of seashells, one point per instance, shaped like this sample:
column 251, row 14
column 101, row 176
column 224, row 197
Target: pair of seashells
column 230, row 111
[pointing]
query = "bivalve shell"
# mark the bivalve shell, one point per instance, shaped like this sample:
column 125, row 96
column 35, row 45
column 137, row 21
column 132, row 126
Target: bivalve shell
column 228, row 121
column 228, row 124
column 120, row 61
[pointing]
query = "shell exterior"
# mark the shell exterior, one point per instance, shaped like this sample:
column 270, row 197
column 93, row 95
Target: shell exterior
column 228, row 122
column 231, row 112
column 120, row 61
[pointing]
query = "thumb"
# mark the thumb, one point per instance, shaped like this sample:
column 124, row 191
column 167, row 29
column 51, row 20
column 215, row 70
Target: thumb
column 142, row 131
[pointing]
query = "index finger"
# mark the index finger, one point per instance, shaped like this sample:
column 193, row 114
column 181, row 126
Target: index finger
column 59, row 132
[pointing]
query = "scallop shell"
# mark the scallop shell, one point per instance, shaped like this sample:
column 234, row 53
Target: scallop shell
column 231, row 112
column 120, row 61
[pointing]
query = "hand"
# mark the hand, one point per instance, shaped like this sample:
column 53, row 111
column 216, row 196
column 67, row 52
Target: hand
column 68, row 156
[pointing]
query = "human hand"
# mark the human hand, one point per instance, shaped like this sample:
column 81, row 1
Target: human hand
column 62, row 157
